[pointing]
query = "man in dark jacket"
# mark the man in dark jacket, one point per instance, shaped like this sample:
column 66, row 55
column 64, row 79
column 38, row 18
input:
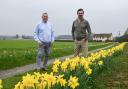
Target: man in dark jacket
column 80, row 33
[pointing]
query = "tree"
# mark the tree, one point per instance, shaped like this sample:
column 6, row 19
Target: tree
column 126, row 32
column 17, row 36
column 123, row 38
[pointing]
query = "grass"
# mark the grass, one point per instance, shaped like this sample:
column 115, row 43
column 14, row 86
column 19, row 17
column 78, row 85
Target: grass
column 17, row 44
column 15, row 53
column 115, row 76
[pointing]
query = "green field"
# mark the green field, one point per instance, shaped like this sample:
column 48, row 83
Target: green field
column 14, row 53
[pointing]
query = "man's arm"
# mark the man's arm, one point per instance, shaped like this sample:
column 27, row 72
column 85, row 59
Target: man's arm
column 90, row 35
column 88, row 28
column 36, row 33
column 53, row 36
column 73, row 29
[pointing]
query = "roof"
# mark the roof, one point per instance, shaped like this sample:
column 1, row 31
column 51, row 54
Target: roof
column 103, row 35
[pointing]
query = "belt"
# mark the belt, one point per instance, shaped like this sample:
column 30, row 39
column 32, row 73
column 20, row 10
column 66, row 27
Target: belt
column 80, row 38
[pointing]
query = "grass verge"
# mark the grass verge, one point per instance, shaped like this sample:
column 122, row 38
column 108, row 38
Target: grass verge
column 115, row 75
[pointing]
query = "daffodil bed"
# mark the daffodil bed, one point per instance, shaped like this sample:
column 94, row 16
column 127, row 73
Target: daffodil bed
column 73, row 73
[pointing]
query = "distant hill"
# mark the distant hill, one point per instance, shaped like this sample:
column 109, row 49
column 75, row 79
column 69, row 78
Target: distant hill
column 8, row 37
column 63, row 37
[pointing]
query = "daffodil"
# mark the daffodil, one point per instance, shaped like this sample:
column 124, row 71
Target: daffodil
column 64, row 66
column 42, row 85
column 61, row 80
column 21, row 86
column 100, row 62
column 72, row 65
column 1, row 84
column 37, row 75
column 55, row 69
column 57, row 62
column 89, row 71
column 50, row 79
column 29, row 81
column 85, row 63
column 73, row 82
column 17, row 86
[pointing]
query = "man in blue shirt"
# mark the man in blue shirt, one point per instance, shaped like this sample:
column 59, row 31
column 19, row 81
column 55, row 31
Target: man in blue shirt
column 44, row 35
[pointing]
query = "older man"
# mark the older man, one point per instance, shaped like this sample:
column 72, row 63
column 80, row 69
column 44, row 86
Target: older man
column 80, row 33
column 44, row 35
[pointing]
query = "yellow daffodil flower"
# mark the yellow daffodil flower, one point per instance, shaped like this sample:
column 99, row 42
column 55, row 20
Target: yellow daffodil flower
column 73, row 82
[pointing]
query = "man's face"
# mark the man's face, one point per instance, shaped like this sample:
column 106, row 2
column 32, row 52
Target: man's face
column 80, row 14
column 45, row 17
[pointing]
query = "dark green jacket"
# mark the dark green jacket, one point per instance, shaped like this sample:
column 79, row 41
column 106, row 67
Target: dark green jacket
column 80, row 29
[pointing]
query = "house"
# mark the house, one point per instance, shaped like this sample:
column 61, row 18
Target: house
column 103, row 37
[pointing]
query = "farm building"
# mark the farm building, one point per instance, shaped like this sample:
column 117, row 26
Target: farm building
column 103, row 37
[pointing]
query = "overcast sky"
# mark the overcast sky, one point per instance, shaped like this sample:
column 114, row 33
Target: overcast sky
column 21, row 16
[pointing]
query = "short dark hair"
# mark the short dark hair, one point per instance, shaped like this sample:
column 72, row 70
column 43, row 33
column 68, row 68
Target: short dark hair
column 80, row 10
column 45, row 13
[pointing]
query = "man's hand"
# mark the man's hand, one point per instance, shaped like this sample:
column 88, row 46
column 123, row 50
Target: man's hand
column 51, row 44
column 75, row 41
column 40, row 44
column 90, row 36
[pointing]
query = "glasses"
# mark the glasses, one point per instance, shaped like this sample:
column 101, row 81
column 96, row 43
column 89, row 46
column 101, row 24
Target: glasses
column 80, row 13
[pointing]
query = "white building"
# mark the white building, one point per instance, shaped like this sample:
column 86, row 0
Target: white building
column 103, row 37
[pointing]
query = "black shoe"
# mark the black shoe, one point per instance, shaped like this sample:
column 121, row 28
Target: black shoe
column 36, row 70
column 44, row 69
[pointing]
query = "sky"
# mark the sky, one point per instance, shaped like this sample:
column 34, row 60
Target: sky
column 21, row 16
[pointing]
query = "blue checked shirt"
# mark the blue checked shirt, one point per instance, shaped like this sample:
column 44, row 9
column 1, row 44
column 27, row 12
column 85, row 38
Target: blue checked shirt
column 44, row 33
